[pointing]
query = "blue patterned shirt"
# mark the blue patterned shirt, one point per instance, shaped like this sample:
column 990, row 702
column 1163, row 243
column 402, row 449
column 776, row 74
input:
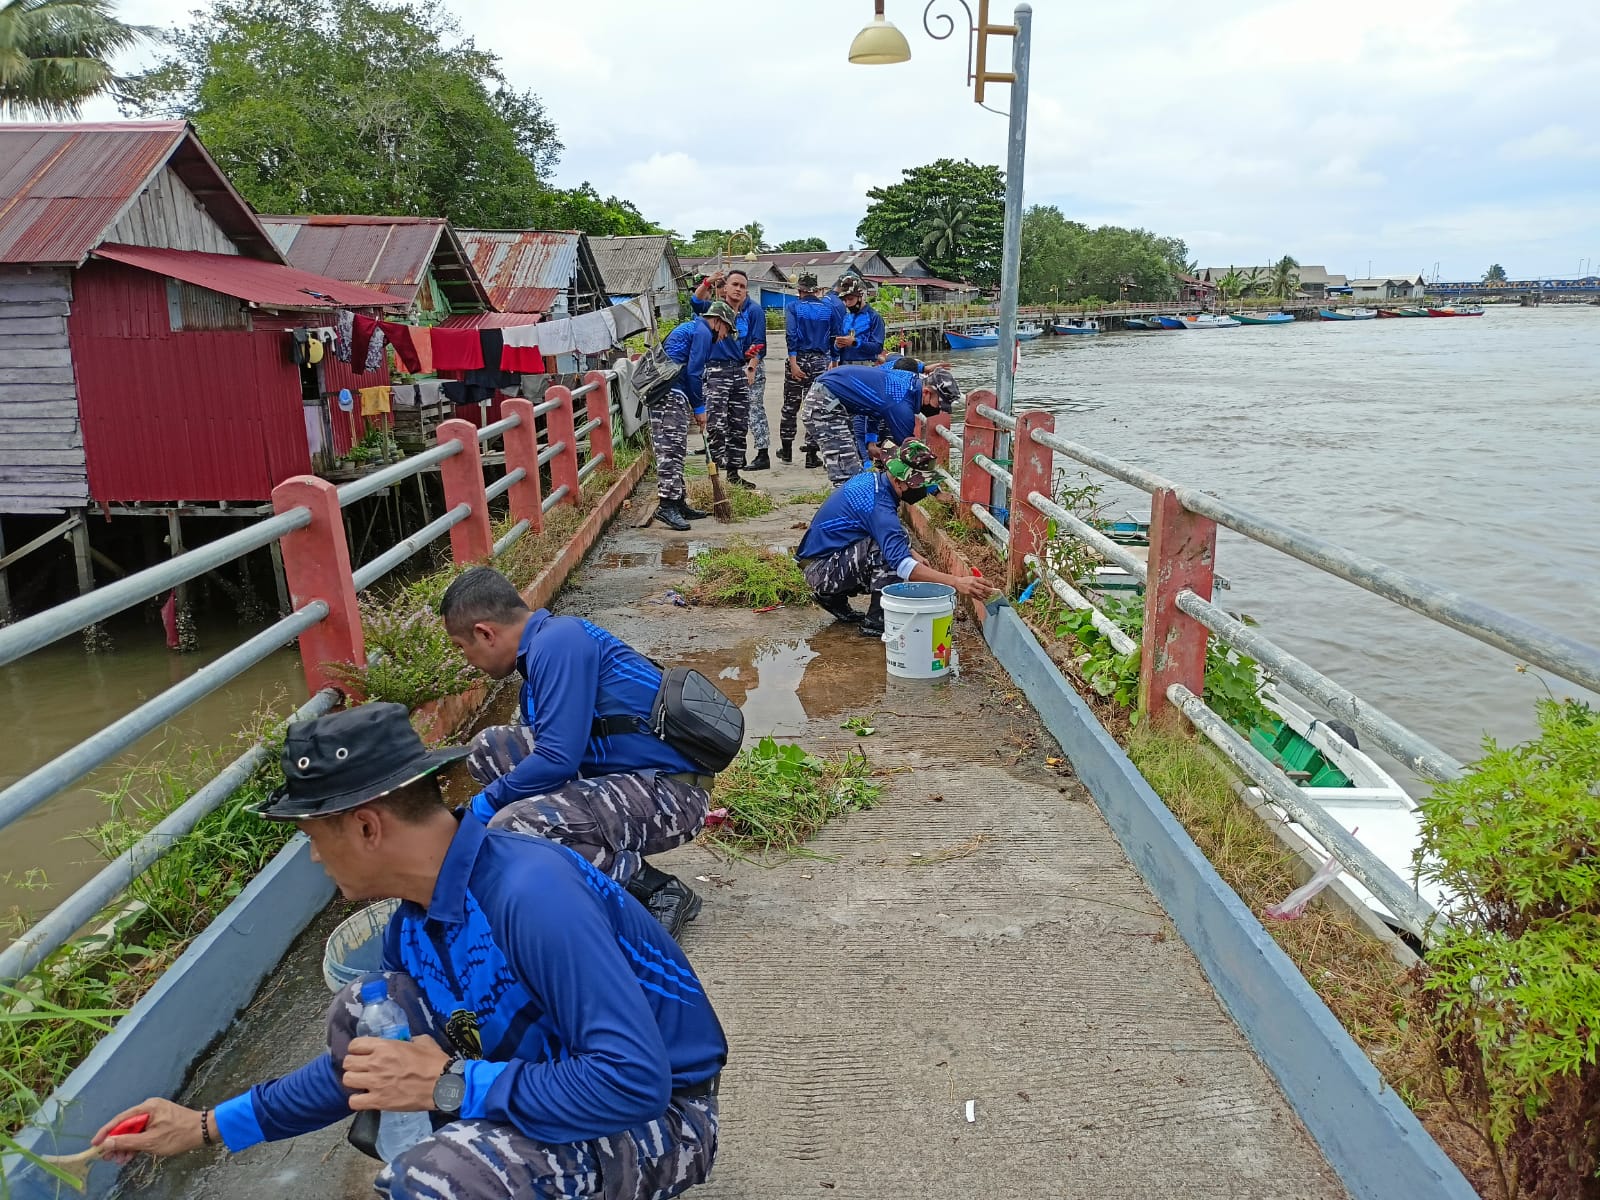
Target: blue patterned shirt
column 862, row 506
column 892, row 397
column 810, row 325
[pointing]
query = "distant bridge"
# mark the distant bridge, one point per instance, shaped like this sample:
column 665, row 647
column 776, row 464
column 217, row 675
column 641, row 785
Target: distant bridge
column 1588, row 285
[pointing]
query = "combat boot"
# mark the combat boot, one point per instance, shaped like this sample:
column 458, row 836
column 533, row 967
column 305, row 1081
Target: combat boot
column 737, row 480
column 760, row 462
column 670, row 514
column 813, row 460
column 786, row 452
column 872, row 624
column 691, row 514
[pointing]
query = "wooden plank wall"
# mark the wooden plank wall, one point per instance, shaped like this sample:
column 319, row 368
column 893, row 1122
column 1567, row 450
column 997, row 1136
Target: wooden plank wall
column 42, row 467
column 166, row 214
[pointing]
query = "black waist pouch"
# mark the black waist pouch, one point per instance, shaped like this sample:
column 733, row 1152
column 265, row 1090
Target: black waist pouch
column 691, row 715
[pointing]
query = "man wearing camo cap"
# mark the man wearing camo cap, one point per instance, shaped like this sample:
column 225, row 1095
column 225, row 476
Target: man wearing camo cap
column 856, row 543
column 890, row 400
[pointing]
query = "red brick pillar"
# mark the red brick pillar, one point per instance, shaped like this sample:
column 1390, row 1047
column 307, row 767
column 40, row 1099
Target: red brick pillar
column 522, row 450
column 978, row 436
column 561, row 427
column 316, row 566
column 599, row 401
column 1183, row 551
column 1030, row 472
column 471, row 540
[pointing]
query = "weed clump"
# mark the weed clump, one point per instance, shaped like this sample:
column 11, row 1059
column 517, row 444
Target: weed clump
column 778, row 796
column 743, row 573
column 747, row 504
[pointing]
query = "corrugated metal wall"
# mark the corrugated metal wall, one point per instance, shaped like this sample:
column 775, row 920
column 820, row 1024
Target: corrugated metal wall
column 196, row 415
column 41, row 446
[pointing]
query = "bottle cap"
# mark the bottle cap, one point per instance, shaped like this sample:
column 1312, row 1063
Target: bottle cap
column 373, row 990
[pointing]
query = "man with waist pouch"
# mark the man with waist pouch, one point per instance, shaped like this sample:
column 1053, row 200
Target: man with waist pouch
column 574, row 768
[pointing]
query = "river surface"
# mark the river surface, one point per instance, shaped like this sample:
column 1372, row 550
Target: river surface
column 1466, row 451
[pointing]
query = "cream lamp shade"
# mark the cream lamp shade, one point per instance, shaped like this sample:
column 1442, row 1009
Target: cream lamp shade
column 879, row 43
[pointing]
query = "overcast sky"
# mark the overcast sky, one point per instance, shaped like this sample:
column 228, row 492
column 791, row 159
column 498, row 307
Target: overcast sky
column 1400, row 133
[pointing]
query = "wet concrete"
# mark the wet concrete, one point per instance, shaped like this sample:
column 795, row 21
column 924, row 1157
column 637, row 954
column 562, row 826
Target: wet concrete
column 978, row 936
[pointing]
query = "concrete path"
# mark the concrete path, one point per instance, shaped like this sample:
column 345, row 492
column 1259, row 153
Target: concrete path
column 978, row 937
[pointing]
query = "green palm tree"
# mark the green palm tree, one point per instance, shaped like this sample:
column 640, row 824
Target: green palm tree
column 1285, row 277
column 1231, row 284
column 945, row 231
column 55, row 54
column 1251, row 282
column 1495, row 274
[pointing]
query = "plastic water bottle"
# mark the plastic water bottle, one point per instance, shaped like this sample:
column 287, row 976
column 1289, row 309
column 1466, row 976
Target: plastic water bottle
column 381, row 1017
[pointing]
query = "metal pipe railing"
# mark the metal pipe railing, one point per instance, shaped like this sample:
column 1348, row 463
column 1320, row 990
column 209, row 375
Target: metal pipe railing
column 505, row 483
column 1073, row 598
column 367, row 485
column 554, row 498
column 1003, row 420
column 550, row 452
column 1421, row 755
column 1145, row 481
column 1085, row 532
column 53, row 931
column 65, row 769
column 1407, row 907
column 588, row 427
column 489, row 432
column 995, row 470
column 511, row 538
column 365, row 576
column 31, row 633
column 584, row 390
column 545, row 406
column 589, row 468
column 987, row 519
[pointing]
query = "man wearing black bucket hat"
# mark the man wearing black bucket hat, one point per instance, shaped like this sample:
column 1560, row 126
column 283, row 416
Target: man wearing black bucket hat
column 548, row 1012
column 856, row 543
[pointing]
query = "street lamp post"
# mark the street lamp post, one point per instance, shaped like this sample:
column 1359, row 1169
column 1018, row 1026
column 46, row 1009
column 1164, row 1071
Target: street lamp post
column 881, row 42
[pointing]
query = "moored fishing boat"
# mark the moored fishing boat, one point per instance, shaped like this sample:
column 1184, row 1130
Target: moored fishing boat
column 1272, row 318
column 1385, row 314
column 1079, row 325
column 1135, row 323
column 1412, row 312
column 1209, row 321
column 1169, row 323
column 1451, row 310
column 1347, row 314
column 1026, row 333
column 976, row 339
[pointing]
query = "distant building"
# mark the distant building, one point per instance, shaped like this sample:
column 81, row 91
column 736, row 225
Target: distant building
column 551, row 273
column 637, row 266
column 1194, row 289
column 1393, row 287
column 1315, row 281
column 921, row 285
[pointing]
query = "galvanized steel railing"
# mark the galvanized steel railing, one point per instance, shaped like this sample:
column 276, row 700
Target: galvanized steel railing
column 58, row 927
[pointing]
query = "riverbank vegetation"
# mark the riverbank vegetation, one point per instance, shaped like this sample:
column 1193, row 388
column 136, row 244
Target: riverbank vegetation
column 1066, row 261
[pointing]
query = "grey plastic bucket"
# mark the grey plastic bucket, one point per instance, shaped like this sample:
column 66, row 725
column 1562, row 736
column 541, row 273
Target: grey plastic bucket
column 355, row 948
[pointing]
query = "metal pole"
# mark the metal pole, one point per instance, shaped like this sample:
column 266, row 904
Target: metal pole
column 1011, row 251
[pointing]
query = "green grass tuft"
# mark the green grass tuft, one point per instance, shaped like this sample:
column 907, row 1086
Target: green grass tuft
column 816, row 496
column 778, row 796
column 743, row 573
column 746, row 504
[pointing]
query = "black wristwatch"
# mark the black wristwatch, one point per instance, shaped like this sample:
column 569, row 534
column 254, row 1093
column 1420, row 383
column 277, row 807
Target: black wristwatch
column 451, row 1088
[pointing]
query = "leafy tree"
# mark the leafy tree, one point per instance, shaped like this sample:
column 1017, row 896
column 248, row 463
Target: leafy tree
column 901, row 216
column 1065, row 260
column 1231, row 284
column 348, row 106
column 1252, row 281
column 581, row 208
column 803, row 245
column 55, row 54
column 1495, row 274
column 707, row 242
column 1285, row 278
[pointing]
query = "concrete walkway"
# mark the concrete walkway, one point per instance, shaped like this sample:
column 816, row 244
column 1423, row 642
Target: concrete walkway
column 978, row 937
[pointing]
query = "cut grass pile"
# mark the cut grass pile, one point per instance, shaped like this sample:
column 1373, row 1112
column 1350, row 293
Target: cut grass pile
column 816, row 496
column 778, row 796
column 751, row 576
column 746, row 503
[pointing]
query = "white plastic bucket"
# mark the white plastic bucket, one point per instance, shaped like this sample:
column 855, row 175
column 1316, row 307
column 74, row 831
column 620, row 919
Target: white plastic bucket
column 355, row 948
column 916, row 629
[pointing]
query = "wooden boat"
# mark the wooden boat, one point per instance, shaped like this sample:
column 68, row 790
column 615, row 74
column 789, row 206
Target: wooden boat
column 1169, row 323
column 1348, row 314
column 1273, row 318
column 1324, row 760
column 1411, row 312
column 1135, row 323
column 1129, row 530
column 976, row 339
column 1453, row 311
column 1027, row 332
column 1385, row 313
column 1209, row 321
column 1079, row 325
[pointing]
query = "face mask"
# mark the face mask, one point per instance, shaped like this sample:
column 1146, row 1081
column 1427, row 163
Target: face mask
column 913, row 495
column 931, row 410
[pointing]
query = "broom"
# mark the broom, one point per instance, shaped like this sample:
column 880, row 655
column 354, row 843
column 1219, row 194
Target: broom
column 721, row 506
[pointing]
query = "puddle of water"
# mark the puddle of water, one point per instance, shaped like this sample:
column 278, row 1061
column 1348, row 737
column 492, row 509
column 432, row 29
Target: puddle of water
column 781, row 685
column 619, row 560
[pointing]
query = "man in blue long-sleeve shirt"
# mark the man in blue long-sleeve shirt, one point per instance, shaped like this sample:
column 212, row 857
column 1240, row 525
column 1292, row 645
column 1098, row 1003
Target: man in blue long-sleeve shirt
column 810, row 325
column 690, row 344
column 856, row 543
column 557, row 1033
column 731, row 369
column 612, row 797
column 889, row 398
column 864, row 333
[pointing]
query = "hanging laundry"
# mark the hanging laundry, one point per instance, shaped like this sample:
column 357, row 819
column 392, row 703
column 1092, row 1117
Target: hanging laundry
column 592, row 332
column 629, row 318
column 422, row 341
column 428, row 392
column 457, row 349
column 492, row 342
column 555, row 337
column 461, row 394
column 374, row 400
column 400, row 338
column 405, row 395
column 521, row 352
column 300, row 347
column 343, row 331
column 375, row 356
column 314, row 440
column 364, row 329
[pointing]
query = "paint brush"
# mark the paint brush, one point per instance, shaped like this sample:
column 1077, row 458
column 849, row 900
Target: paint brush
column 77, row 1165
column 721, row 506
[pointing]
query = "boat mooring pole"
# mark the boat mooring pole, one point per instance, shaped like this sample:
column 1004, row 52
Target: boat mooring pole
column 1011, row 250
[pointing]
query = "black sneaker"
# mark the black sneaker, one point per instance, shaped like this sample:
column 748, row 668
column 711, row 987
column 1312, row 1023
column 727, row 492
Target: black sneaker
column 760, row 462
column 838, row 604
column 674, row 904
column 737, row 480
column 671, row 515
column 872, row 624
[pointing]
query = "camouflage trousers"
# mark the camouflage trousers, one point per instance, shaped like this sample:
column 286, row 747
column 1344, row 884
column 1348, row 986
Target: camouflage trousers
column 856, row 569
column 760, row 432
column 485, row 1160
column 727, row 394
column 669, row 438
column 614, row 821
column 829, row 427
column 811, row 363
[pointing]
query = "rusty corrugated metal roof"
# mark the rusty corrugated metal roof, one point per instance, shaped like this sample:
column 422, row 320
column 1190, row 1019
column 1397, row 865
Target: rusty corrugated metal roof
column 489, row 320
column 270, row 285
column 393, row 254
column 63, row 186
column 523, row 269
